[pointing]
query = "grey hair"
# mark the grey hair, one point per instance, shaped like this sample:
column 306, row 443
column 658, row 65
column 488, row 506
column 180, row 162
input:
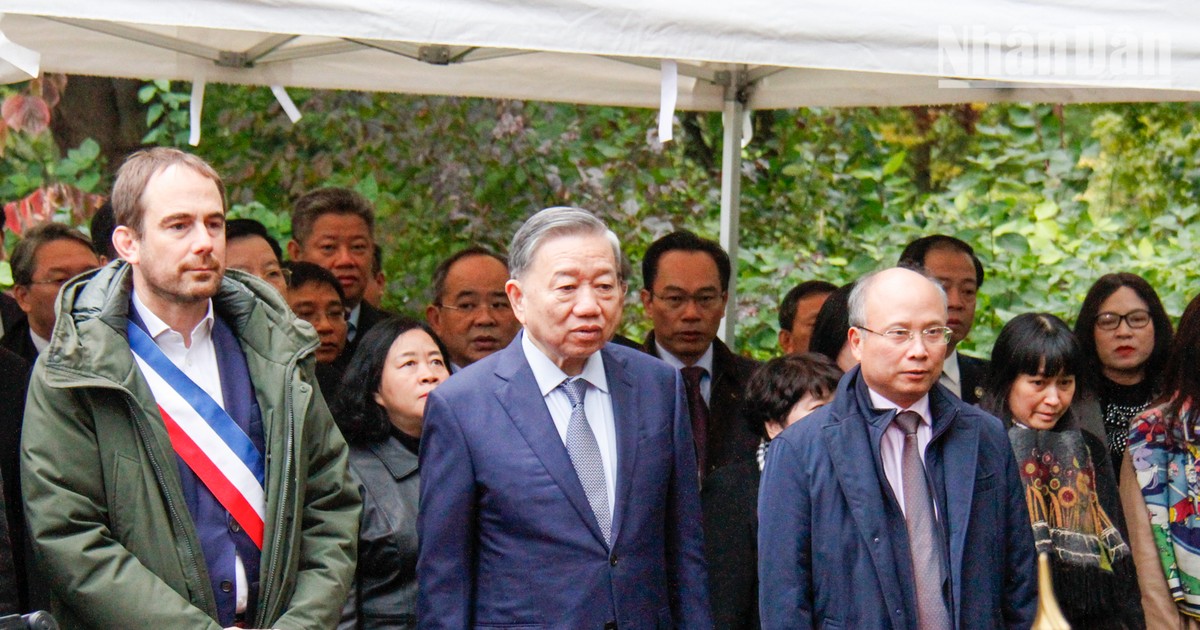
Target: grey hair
column 857, row 302
column 556, row 221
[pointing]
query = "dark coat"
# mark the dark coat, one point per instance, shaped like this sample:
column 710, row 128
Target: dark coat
column 972, row 374
column 385, row 583
column 508, row 538
column 17, row 340
column 14, row 381
column 730, row 439
column 10, row 312
column 833, row 548
column 729, row 502
column 368, row 316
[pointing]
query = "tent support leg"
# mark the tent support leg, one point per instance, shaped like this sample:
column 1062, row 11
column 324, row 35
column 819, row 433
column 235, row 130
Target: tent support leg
column 731, row 190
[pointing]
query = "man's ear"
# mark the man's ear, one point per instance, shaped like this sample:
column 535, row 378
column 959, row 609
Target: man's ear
column 126, row 244
column 21, row 294
column 854, row 337
column 647, row 297
column 516, row 298
column 293, row 250
column 433, row 315
column 785, row 341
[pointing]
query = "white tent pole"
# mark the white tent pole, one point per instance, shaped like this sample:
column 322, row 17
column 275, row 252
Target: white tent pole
column 731, row 191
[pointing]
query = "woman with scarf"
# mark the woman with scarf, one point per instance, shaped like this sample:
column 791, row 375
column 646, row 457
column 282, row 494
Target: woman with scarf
column 1160, row 487
column 1074, row 505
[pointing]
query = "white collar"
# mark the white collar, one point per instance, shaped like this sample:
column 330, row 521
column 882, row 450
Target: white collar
column 549, row 376
column 39, row 342
column 156, row 326
column 921, row 406
column 705, row 361
column 950, row 367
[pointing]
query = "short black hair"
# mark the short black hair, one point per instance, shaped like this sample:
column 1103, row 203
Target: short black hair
column 833, row 324
column 443, row 268
column 914, row 254
column 683, row 240
column 1180, row 378
column 241, row 228
column 360, row 418
column 1032, row 343
column 780, row 383
column 322, row 201
column 24, row 256
column 1085, row 324
column 101, row 227
column 787, row 308
column 303, row 273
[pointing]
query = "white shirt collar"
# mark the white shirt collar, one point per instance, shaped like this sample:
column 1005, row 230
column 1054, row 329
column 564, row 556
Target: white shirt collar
column 39, row 342
column 921, row 406
column 550, row 376
column 156, row 326
column 705, row 361
column 950, row 367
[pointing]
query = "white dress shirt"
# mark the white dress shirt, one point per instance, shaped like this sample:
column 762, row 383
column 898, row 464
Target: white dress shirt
column 39, row 342
column 597, row 405
column 705, row 361
column 199, row 362
column 352, row 322
column 891, row 449
column 951, row 376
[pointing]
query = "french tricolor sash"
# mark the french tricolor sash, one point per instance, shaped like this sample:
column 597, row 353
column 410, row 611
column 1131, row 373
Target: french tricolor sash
column 204, row 436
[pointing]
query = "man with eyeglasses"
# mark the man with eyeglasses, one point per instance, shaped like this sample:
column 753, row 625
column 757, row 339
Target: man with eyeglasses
column 46, row 257
column 686, row 280
column 898, row 505
column 470, row 311
column 953, row 263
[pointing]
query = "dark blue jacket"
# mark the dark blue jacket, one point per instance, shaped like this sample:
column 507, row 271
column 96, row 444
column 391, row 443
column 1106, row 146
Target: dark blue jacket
column 833, row 548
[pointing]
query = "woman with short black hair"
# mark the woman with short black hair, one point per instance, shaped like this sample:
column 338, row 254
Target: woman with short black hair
column 380, row 409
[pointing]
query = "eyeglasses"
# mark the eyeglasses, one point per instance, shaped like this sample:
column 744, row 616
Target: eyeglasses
column 1111, row 321
column 679, row 301
column 934, row 335
column 54, row 282
column 475, row 307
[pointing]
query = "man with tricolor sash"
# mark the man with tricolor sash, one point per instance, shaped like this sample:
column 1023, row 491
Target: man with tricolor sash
column 180, row 467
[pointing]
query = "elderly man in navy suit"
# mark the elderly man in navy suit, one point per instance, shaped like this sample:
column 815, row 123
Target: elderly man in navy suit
column 558, row 476
column 898, row 505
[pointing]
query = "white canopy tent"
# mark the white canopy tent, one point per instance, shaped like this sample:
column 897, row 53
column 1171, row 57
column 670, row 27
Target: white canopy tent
column 701, row 55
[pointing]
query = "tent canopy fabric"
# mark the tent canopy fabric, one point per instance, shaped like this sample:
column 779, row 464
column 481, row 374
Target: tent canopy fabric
column 704, row 55
column 772, row 54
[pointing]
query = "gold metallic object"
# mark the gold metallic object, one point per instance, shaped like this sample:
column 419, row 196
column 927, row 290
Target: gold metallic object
column 1049, row 615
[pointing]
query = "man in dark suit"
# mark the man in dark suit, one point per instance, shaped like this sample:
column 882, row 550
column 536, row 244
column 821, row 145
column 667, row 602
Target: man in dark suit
column 954, row 263
column 46, row 257
column 686, row 281
column 899, row 505
column 558, row 482
column 335, row 228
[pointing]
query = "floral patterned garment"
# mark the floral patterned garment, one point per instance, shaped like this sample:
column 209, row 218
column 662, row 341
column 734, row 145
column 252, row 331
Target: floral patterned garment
column 1060, row 490
column 1167, row 464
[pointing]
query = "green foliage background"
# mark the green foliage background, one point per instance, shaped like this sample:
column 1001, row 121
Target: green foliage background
column 1051, row 196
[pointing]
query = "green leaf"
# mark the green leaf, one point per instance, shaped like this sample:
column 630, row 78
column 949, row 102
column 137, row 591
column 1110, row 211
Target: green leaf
column 1145, row 248
column 894, row 163
column 153, row 113
column 1013, row 243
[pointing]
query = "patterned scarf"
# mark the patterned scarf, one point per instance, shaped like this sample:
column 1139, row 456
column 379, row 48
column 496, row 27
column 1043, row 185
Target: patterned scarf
column 1166, row 460
column 1060, row 489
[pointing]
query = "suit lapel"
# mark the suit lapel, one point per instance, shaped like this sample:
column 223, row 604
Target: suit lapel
column 523, row 401
column 626, row 421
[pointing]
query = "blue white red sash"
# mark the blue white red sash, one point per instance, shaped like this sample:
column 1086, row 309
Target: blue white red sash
column 204, row 436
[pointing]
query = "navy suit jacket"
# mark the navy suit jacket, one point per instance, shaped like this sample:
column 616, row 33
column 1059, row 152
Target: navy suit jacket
column 508, row 539
column 833, row 548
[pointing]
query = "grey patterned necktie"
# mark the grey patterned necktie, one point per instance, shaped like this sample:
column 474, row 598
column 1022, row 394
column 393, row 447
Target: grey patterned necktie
column 924, row 545
column 585, row 456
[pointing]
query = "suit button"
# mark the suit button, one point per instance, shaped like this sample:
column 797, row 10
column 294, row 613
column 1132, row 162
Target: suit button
column 234, row 527
column 612, row 561
column 226, row 586
column 610, row 625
